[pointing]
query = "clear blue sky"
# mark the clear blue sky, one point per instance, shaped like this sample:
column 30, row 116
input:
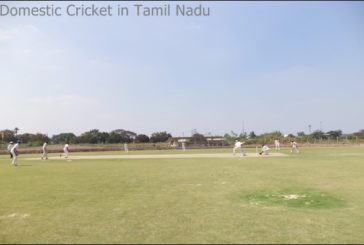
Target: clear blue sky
column 274, row 65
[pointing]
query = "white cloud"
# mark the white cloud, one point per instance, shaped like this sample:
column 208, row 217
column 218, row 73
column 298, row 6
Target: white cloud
column 14, row 32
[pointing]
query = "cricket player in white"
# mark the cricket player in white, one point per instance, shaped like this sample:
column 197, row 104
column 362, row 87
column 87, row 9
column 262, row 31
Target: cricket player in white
column 65, row 151
column 183, row 146
column 126, row 149
column 294, row 147
column 238, row 146
column 277, row 144
column 14, row 153
column 10, row 146
column 265, row 150
column 45, row 151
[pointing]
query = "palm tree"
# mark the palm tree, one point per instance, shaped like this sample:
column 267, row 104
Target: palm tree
column 16, row 130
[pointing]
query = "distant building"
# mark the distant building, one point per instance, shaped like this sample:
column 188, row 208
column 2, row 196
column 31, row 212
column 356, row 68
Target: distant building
column 177, row 141
column 210, row 141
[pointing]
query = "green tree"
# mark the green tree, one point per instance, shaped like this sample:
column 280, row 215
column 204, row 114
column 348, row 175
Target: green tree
column 33, row 139
column 63, row 138
column 142, row 138
column 198, row 139
column 301, row 134
column 318, row 134
column 243, row 136
column 252, row 135
column 8, row 135
column 160, row 137
column 115, row 138
column 93, row 136
column 104, row 137
column 334, row 134
column 121, row 136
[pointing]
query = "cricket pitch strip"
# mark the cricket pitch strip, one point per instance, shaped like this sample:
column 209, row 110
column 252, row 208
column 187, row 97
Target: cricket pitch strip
column 163, row 156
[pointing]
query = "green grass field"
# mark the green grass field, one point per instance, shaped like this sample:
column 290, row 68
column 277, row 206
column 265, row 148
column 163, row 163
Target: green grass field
column 316, row 196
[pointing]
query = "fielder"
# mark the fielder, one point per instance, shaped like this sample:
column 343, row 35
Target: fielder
column 45, row 151
column 238, row 146
column 126, row 149
column 65, row 151
column 14, row 153
column 10, row 146
column 265, row 150
column 183, row 146
column 294, row 147
column 277, row 144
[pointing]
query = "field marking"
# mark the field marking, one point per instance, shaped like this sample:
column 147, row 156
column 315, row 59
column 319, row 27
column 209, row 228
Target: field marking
column 163, row 156
column 293, row 196
column 15, row 215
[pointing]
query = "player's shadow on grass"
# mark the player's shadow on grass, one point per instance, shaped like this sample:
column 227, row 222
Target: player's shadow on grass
column 25, row 165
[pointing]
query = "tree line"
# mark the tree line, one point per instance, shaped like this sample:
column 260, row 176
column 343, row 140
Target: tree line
column 316, row 135
column 96, row 136
column 93, row 136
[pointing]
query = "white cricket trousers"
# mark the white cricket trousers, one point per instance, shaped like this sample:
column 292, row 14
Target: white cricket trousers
column 294, row 148
column 45, row 155
column 65, row 153
column 14, row 160
column 240, row 150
